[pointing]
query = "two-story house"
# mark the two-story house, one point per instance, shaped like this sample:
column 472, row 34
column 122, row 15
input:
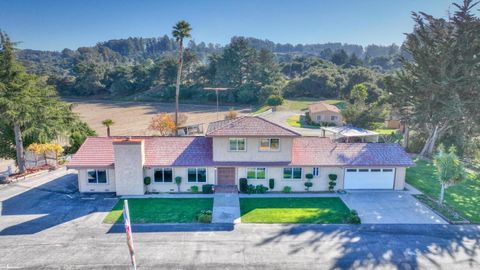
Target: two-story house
column 246, row 147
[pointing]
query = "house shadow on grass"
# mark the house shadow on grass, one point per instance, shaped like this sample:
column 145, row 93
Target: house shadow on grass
column 50, row 204
column 385, row 246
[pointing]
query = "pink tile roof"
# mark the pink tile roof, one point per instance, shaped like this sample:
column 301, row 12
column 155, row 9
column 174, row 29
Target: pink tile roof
column 248, row 126
column 311, row 151
column 97, row 152
column 322, row 107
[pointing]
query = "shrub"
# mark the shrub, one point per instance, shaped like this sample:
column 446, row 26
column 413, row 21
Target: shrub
column 250, row 189
column 205, row 216
column 243, row 185
column 271, row 183
column 231, row 114
column 353, row 218
column 207, row 189
column 333, row 181
column 309, row 176
column 274, row 100
column 260, row 189
column 147, row 180
column 308, row 185
column 287, row 189
column 194, row 189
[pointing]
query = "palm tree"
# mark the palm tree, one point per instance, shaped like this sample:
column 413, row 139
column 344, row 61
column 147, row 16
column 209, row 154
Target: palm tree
column 180, row 31
column 449, row 168
column 108, row 123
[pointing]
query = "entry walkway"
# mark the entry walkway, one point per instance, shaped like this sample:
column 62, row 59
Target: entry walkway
column 226, row 207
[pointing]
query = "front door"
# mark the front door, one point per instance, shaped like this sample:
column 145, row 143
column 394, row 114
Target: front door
column 226, row 176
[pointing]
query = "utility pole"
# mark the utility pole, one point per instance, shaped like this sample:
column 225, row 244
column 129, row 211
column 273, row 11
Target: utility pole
column 216, row 89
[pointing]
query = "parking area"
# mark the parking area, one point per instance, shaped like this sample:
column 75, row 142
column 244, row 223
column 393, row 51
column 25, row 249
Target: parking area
column 390, row 207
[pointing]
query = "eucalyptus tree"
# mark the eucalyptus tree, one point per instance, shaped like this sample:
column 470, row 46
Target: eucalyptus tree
column 181, row 30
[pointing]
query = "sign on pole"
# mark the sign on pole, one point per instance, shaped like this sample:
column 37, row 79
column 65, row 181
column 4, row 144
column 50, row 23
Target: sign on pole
column 128, row 230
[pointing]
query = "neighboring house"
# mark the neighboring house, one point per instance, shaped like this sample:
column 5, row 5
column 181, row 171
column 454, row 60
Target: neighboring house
column 246, row 147
column 350, row 134
column 325, row 113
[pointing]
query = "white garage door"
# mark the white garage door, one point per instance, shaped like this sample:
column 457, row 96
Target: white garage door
column 363, row 178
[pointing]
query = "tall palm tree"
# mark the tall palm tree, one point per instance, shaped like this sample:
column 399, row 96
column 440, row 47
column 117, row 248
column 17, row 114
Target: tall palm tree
column 108, row 123
column 180, row 31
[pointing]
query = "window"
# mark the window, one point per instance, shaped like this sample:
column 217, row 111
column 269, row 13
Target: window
column 163, row 175
column 375, row 170
column 319, row 118
column 97, row 176
column 387, row 170
column 237, row 144
column 362, row 170
column 316, row 171
column 333, row 118
column 255, row 173
column 197, row 175
column 351, row 170
column 269, row 144
column 292, row 173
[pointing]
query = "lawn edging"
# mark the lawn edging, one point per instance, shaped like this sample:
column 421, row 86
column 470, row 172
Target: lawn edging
column 445, row 212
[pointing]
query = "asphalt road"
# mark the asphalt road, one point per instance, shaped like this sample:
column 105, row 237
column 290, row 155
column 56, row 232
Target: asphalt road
column 52, row 226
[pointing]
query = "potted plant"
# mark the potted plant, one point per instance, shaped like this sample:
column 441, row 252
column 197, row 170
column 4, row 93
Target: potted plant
column 333, row 181
column 309, row 183
column 178, row 181
column 147, row 181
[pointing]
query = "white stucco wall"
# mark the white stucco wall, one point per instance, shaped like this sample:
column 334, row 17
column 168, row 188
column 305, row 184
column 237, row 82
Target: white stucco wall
column 326, row 117
column 320, row 182
column 84, row 186
column 184, row 186
column 129, row 159
column 400, row 178
column 221, row 150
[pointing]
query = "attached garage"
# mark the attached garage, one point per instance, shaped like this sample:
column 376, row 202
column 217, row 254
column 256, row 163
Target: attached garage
column 369, row 178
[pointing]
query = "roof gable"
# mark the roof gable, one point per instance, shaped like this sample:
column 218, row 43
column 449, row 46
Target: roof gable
column 251, row 126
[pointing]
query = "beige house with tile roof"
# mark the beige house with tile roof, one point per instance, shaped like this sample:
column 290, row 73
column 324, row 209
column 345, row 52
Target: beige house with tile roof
column 247, row 147
column 322, row 112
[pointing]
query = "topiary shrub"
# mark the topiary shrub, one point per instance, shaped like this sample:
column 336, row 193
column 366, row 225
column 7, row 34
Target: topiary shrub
column 250, row 189
column 194, row 189
column 205, row 216
column 309, row 176
column 353, row 217
column 147, row 180
column 333, row 181
column 207, row 189
column 178, row 181
column 287, row 189
column 271, row 183
column 308, row 185
column 243, row 185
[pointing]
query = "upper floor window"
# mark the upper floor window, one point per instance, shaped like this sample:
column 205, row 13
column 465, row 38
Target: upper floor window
column 334, row 117
column 236, row 144
column 316, row 171
column 197, row 175
column 269, row 144
column 97, row 176
column 255, row 173
column 163, row 175
column 292, row 173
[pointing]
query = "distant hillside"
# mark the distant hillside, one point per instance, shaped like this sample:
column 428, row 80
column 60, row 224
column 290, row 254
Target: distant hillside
column 136, row 49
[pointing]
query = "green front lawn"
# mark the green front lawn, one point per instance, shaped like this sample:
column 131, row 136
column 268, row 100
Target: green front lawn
column 159, row 210
column 463, row 197
column 299, row 121
column 293, row 210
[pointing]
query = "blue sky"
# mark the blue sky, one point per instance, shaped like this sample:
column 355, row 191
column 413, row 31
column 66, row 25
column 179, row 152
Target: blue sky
column 58, row 24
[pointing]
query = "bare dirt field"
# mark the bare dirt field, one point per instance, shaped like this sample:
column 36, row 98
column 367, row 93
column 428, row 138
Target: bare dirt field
column 133, row 118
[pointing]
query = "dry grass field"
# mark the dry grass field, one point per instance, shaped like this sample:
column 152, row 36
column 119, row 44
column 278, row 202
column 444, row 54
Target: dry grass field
column 133, row 118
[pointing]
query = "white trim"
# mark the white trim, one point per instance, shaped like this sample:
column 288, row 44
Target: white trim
column 237, row 138
column 256, row 173
column 96, row 174
column 292, row 179
column 269, row 145
column 163, row 175
column 196, row 174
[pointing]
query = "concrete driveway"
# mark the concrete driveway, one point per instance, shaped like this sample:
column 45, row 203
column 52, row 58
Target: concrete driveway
column 390, row 207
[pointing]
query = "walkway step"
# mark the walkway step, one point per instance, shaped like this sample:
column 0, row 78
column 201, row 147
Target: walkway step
column 226, row 208
column 226, row 189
